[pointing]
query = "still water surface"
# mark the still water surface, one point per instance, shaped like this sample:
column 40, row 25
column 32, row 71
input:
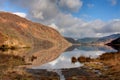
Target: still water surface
column 56, row 63
column 64, row 60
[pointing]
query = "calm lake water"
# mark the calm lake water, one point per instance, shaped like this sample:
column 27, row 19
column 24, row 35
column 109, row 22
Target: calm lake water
column 63, row 61
column 56, row 63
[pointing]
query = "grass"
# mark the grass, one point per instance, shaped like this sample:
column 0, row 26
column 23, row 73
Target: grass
column 8, row 70
column 108, row 64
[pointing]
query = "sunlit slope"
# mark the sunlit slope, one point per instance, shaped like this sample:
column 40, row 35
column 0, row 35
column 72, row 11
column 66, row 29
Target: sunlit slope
column 20, row 32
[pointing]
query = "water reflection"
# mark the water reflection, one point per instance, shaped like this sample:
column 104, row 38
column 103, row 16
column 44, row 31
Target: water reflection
column 64, row 63
column 104, row 67
column 104, row 48
column 116, row 47
column 39, row 57
column 107, row 65
column 80, row 59
column 72, row 55
column 59, row 57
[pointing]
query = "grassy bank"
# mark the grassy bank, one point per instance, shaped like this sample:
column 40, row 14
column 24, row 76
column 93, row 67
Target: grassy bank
column 8, row 64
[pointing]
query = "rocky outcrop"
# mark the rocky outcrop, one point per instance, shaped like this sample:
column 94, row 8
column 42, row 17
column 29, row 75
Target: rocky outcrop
column 20, row 32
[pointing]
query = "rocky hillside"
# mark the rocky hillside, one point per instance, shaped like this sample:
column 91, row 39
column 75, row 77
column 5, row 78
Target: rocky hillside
column 20, row 32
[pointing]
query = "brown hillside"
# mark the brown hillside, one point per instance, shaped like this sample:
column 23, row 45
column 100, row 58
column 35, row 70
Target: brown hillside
column 20, row 32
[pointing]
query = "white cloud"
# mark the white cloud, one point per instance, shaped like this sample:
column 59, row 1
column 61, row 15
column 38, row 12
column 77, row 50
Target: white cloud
column 113, row 26
column 53, row 26
column 20, row 14
column 73, row 5
column 56, row 27
column 1, row 10
column 50, row 13
column 116, row 19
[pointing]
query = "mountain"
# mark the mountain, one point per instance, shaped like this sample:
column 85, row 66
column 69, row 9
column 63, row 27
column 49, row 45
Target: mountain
column 115, row 44
column 99, row 41
column 71, row 40
column 20, row 32
column 116, row 41
column 108, row 39
column 87, row 40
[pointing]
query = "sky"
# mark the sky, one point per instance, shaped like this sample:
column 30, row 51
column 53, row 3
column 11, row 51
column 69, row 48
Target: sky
column 72, row 18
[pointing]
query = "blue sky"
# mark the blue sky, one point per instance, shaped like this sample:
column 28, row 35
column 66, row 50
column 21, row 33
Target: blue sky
column 9, row 7
column 92, row 9
column 99, row 9
column 70, row 17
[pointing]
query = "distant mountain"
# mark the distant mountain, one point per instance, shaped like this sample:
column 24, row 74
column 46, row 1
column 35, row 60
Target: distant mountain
column 71, row 40
column 111, row 37
column 101, row 40
column 20, row 32
column 87, row 40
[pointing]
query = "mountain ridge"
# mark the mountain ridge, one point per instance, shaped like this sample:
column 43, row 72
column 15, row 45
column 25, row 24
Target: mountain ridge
column 97, row 40
column 20, row 32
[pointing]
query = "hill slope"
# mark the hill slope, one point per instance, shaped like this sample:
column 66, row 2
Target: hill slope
column 20, row 32
column 87, row 40
column 71, row 40
column 116, row 41
column 101, row 40
column 108, row 39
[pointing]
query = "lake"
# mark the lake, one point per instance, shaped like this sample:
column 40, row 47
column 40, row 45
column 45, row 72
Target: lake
column 58, row 63
column 64, row 60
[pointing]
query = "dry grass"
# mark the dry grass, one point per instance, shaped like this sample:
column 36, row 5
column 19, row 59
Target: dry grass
column 8, row 70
